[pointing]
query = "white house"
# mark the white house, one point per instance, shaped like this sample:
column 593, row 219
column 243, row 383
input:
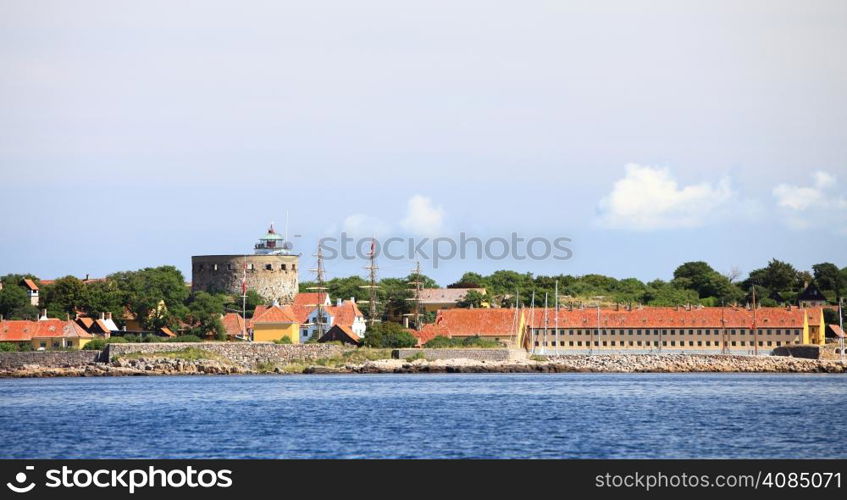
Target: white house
column 345, row 313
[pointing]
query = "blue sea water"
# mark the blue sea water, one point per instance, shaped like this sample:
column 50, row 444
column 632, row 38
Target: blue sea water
column 427, row 416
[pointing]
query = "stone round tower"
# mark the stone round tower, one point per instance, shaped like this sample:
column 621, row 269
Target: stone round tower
column 271, row 270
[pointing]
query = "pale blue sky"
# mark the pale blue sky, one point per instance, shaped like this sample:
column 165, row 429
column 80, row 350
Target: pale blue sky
column 136, row 134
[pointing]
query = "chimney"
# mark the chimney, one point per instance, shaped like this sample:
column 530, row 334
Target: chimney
column 43, row 314
column 338, row 302
column 353, row 299
column 405, row 322
column 108, row 315
column 102, row 315
column 86, row 276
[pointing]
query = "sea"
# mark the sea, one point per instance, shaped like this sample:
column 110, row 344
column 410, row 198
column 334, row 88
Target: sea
column 427, row 416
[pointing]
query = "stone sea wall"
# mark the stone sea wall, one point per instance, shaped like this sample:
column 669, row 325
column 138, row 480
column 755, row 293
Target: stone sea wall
column 474, row 354
column 240, row 353
column 47, row 359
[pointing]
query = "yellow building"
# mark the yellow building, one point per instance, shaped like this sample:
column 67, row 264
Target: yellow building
column 45, row 334
column 275, row 322
column 814, row 331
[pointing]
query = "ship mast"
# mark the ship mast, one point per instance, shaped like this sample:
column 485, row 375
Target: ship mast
column 372, row 287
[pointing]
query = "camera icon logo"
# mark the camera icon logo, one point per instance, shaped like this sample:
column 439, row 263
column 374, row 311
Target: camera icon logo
column 20, row 479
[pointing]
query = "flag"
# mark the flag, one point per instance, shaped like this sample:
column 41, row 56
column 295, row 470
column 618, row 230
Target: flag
column 373, row 247
column 244, row 278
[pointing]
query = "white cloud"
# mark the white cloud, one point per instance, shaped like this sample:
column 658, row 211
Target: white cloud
column 811, row 206
column 362, row 226
column 422, row 217
column 648, row 198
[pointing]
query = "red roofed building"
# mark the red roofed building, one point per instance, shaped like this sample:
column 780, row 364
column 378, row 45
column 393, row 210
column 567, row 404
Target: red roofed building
column 234, row 325
column 674, row 329
column 346, row 314
column 31, row 290
column 274, row 322
column 501, row 325
column 45, row 334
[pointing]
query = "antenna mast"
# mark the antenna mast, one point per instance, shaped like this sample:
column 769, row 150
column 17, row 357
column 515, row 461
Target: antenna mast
column 755, row 329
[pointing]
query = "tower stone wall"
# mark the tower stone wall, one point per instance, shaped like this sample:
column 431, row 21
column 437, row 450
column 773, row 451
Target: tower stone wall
column 274, row 277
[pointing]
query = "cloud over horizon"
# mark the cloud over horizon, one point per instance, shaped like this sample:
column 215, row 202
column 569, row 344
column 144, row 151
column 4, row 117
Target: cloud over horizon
column 649, row 198
column 422, row 217
column 812, row 206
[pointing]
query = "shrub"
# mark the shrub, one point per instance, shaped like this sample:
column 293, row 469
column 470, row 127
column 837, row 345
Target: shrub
column 99, row 344
column 283, row 340
column 389, row 335
column 8, row 347
column 441, row 342
column 94, row 345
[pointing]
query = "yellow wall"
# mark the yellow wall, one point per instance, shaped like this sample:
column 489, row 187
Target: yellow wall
column 268, row 332
column 814, row 334
column 73, row 342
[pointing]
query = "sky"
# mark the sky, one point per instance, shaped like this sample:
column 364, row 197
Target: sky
column 136, row 134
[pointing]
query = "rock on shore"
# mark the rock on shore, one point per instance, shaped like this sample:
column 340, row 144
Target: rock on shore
column 632, row 363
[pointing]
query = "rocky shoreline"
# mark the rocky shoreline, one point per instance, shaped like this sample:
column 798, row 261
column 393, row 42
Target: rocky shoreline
column 635, row 363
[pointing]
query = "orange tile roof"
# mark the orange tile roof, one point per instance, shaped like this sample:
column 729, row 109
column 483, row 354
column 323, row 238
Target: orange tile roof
column 22, row 331
column 837, row 330
column 276, row 314
column 429, row 332
column 668, row 317
column 469, row 322
column 814, row 316
column 302, row 312
column 167, row 331
column 310, row 299
column 233, row 324
column 30, row 284
column 85, row 322
column 345, row 314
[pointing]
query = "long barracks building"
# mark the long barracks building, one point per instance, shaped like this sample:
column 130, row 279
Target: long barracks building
column 684, row 329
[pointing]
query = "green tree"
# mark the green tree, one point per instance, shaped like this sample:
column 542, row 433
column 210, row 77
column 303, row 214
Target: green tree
column 777, row 276
column 472, row 299
column 828, row 277
column 204, row 314
column 154, row 294
column 14, row 302
column 65, row 296
column 389, row 335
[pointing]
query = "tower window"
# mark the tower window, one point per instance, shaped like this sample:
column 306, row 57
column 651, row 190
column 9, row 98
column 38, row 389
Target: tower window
column 283, row 267
column 269, row 267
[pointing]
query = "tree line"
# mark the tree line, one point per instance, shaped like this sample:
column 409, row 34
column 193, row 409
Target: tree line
column 159, row 297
